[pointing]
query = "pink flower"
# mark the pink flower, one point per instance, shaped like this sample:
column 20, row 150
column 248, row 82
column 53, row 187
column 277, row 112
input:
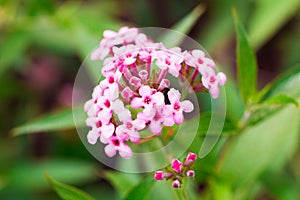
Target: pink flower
column 114, row 144
column 176, row 165
column 177, row 107
column 129, row 128
column 212, row 81
column 190, row 173
column 149, row 98
column 156, row 118
column 99, row 129
column 111, row 38
column 111, row 83
column 169, row 61
column 190, row 159
column 126, row 54
column 159, row 175
column 200, row 60
column 176, row 183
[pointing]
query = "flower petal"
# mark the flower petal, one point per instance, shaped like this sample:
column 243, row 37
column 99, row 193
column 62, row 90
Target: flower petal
column 93, row 136
column 125, row 151
column 158, row 98
column 107, row 130
column 178, row 117
column 134, row 136
column 136, row 102
column 110, row 150
column 145, row 90
column 155, row 127
column 187, row 106
column 174, row 95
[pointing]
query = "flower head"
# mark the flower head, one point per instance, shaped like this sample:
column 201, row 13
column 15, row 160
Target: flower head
column 134, row 96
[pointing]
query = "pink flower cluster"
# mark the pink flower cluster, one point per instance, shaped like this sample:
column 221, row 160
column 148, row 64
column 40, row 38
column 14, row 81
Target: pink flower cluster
column 133, row 96
column 178, row 171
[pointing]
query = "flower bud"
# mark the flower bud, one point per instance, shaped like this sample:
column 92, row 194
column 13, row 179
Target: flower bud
column 190, row 159
column 176, row 165
column 190, row 173
column 176, row 183
column 159, row 175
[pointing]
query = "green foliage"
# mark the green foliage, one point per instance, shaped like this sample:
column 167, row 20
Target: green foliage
column 183, row 27
column 29, row 175
column 123, row 182
column 286, row 84
column 246, row 62
column 67, row 192
column 141, row 190
column 268, row 17
column 59, row 120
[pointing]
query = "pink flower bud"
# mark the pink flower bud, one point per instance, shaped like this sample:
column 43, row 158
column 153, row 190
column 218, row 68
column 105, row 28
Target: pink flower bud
column 190, row 173
column 143, row 74
column 159, row 175
column 127, row 93
column 165, row 83
column 176, row 183
column 135, row 81
column 176, row 165
column 190, row 158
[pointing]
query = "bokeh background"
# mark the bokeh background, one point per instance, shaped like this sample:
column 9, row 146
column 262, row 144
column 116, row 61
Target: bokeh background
column 42, row 45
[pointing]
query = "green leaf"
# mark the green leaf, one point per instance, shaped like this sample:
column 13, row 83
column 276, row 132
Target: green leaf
column 25, row 175
column 173, row 39
column 280, row 99
column 268, row 144
column 59, row 120
column 67, row 192
column 13, row 47
column 286, row 84
column 246, row 61
column 280, row 184
column 141, row 190
column 122, row 182
column 268, row 17
column 281, row 89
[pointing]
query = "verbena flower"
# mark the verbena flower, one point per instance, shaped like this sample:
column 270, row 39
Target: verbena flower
column 135, row 93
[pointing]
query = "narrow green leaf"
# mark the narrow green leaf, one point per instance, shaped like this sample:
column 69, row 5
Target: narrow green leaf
column 67, row 192
column 280, row 99
column 287, row 83
column 28, row 176
column 246, row 61
column 173, row 39
column 141, row 190
column 282, row 88
column 268, row 17
column 122, row 182
column 59, row 120
column 268, row 144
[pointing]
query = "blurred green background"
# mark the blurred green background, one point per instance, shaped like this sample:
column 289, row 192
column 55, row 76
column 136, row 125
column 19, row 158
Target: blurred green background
column 42, row 45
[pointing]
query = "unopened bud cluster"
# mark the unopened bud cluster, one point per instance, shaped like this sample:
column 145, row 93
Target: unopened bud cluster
column 178, row 171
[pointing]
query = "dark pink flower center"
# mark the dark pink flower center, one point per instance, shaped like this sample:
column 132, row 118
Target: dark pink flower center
column 111, row 80
column 212, row 79
column 107, row 103
column 176, row 106
column 98, row 124
column 129, row 125
column 147, row 100
column 168, row 62
column 116, row 142
column 200, row 61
